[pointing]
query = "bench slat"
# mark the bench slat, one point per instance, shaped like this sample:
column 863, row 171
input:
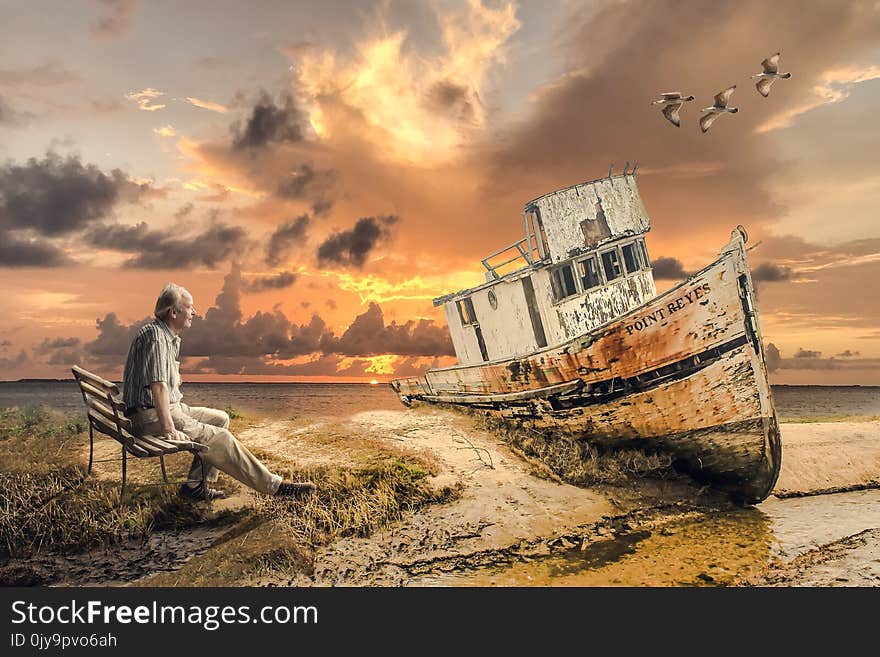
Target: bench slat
column 157, row 442
column 108, row 427
column 95, row 380
column 138, row 451
column 152, row 450
column 101, row 408
column 96, row 392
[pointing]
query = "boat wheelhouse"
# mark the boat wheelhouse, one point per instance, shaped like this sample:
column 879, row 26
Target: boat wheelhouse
column 583, row 262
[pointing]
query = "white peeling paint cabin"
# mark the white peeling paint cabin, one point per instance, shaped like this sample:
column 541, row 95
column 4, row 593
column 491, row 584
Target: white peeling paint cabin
column 585, row 263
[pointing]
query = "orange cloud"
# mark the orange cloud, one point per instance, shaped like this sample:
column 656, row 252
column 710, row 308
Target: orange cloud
column 144, row 99
column 165, row 131
column 417, row 108
column 834, row 86
column 207, row 104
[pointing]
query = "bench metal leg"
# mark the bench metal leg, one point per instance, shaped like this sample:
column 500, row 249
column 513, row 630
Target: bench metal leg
column 91, row 447
column 162, row 463
column 122, row 491
column 202, row 466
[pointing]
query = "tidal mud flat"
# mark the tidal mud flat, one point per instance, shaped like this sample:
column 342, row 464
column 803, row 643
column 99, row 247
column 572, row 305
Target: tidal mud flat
column 516, row 524
column 511, row 521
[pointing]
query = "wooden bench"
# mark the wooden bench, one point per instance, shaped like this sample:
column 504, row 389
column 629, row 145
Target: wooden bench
column 106, row 415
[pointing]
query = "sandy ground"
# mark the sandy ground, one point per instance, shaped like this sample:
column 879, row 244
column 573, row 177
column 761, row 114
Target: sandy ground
column 510, row 510
column 507, row 511
column 828, row 457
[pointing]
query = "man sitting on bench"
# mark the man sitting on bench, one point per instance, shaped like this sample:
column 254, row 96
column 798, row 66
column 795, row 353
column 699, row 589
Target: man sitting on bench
column 152, row 399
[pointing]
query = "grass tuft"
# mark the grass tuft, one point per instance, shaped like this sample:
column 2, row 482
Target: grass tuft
column 577, row 461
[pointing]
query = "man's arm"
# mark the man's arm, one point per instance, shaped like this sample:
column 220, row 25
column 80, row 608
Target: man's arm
column 162, row 402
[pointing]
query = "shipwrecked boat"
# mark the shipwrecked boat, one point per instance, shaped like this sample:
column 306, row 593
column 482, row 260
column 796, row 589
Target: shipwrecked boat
column 576, row 341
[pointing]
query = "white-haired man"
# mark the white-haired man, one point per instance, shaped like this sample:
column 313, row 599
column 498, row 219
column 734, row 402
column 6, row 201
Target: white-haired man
column 154, row 404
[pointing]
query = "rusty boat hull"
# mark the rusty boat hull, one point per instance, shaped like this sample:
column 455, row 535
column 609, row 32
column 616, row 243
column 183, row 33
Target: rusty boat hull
column 683, row 372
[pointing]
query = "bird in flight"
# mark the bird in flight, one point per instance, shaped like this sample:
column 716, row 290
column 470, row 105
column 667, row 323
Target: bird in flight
column 671, row 102
column 720, row 107
column 769, row 74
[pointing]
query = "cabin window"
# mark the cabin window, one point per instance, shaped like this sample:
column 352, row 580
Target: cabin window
column 588, row 270
column 644, row 251
column 611, row 265
column 630, row 259
column 562, row 279
column 466, row 311
column 493, row 300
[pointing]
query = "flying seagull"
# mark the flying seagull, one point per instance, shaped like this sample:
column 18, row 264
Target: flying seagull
column 719, row 108
column 771, row 72
column 672, row 102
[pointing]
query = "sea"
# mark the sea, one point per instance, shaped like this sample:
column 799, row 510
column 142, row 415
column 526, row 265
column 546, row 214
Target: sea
column 313, row 401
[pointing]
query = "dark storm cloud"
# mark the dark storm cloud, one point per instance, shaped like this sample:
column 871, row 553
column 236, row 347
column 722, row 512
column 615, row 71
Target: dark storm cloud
column 29, row 252
column 369, row 336
column 155, row 249
column 58, row 195
column 235, row 345
column 668, row 268
column 114, row 337
column 772, row 357
column 307, row 182
column 768, row 272
column 450, row 99
column 351, row 247
column 622, row 55
column 115, row 21
column 269, row 123
column 275, row 282
column 7, row 364
column 285, row 237
column 808, row 359
column 321, row 207
column 184, row 211
column 48, row 346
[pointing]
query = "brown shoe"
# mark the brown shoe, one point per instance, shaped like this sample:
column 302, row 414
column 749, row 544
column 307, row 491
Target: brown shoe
column 293, row 489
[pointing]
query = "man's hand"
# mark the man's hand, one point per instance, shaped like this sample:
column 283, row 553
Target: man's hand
column 174, row 434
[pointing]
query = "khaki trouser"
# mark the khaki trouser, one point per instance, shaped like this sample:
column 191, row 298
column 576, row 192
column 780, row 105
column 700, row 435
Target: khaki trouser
column 210, row 427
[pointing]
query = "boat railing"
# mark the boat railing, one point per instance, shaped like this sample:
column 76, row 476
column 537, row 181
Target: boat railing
column 525, row 250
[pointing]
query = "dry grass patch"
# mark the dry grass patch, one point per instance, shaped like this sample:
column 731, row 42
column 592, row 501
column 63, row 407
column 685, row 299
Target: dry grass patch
column 579, row 462
column 48, row 503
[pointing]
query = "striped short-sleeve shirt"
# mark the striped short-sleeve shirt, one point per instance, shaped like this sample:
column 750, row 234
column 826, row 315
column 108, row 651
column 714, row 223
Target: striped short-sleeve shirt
column 152, row 356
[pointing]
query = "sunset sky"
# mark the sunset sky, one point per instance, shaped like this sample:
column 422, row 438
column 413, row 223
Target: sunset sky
column 315, row 172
